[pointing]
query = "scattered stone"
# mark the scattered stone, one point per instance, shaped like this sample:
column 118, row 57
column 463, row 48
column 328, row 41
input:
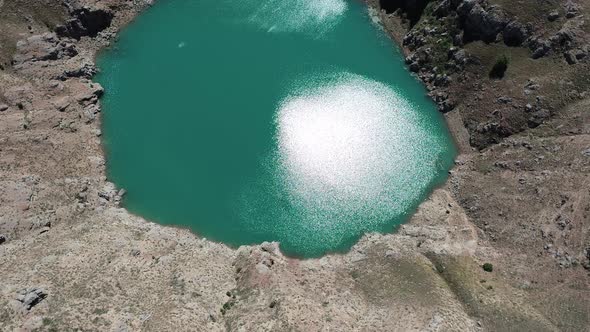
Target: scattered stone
column 566, row 261
column 580, row 54
column 96, row 132
column 414, row 67
column 392, row 254
column 571, row 9
column 2, row 238
column 3, row 107
column 563, row 38
column 553, row 16
column 538, row 117
column 531, row 85
column 68, row 126
column 269, row 247
column 30, row 297
column 82, row 196
column 586, row 153
column 104, row 195
column 446, row 106
column 458, row 39
column 540, row 47
column 570, row 58
column 61, row 104
column 91, row 94
column 87, row 70
column 108, row 191
column 460, row 57
column 97, row 89
column 501, row 164
column 91, row 112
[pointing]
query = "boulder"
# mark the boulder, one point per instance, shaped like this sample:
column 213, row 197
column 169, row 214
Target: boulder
column 553, row 16
column 580, row 54
column 563, row 38
column 90, row 94
column 570, row 58
column 481, row 21
column 540, row 47
column 3, row 107
column 515, row 34
column 62, row 103
column 30, row 297
column 90, row 113
column 538, row 117
column 571, row 9
column 86, row 70
column 108, row 191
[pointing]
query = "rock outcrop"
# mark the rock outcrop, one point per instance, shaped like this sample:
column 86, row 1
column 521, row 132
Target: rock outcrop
column 42, row 48
column 412, row 8
column 480, row 21
column 85, row 22
column 30, row 297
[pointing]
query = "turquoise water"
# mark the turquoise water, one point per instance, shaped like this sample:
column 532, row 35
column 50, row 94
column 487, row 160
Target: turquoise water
column 267, row 120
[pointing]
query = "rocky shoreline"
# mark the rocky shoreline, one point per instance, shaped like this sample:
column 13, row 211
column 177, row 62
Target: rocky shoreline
column 517, row 199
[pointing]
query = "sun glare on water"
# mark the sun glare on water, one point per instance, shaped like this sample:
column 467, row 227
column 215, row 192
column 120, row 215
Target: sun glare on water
column 348, row 155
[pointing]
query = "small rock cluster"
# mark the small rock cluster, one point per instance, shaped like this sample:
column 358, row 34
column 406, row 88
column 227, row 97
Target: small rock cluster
column 109, row 193
column 454, row 23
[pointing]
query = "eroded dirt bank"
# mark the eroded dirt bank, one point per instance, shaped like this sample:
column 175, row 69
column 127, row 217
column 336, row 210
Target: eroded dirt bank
column 518, row 198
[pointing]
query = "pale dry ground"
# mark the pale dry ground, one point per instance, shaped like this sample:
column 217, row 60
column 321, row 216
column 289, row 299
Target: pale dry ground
column 104, row 269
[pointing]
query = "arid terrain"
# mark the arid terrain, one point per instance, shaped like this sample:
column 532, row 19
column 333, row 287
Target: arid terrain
column 504, row 245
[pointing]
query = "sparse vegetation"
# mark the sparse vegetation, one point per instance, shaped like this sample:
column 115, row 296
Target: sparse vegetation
column 227, row 306
column 499, row 68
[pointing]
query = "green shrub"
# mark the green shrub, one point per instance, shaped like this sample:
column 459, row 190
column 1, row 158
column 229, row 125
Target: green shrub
column 499, row 68
column 488, row 267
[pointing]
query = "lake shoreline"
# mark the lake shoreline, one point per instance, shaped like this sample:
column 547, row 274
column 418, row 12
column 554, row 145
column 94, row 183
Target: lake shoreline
column 310, row 191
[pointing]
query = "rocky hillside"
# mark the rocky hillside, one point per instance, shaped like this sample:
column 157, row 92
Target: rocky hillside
column 453, row 46
column 504, row 245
